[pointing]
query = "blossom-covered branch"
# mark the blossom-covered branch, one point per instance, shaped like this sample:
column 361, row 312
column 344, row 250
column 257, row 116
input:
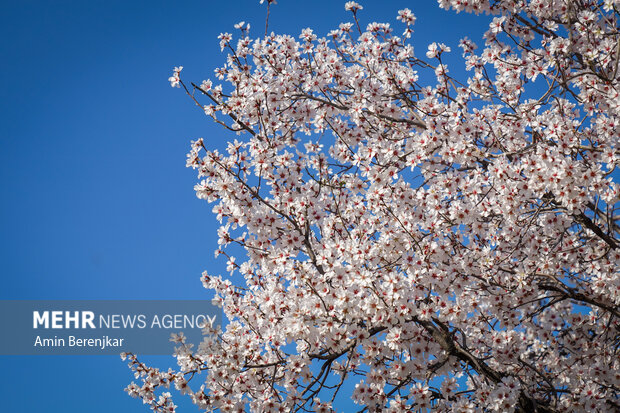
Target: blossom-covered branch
column 412, row 240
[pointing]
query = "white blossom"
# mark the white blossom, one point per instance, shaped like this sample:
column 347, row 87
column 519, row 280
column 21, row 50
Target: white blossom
column 175, row 79
column 352, row 6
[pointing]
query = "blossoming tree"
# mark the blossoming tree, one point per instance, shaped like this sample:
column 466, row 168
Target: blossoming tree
column 446, row 244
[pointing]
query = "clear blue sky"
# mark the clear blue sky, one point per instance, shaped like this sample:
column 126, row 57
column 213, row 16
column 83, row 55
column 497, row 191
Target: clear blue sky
column 96, row 200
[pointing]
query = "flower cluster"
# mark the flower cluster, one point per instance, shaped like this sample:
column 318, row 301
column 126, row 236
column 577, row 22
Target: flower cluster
column 447, row 244
column 352, row 6
column 175, row 78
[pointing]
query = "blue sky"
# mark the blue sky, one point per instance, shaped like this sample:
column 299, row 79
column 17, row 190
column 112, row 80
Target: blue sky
column 97, row 202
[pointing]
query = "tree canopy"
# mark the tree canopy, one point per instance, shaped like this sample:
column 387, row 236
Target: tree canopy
column 413, row 240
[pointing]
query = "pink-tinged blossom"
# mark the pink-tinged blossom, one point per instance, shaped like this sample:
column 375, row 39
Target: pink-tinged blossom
column 406, row 16
column 307, row 35
column 225, row 39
